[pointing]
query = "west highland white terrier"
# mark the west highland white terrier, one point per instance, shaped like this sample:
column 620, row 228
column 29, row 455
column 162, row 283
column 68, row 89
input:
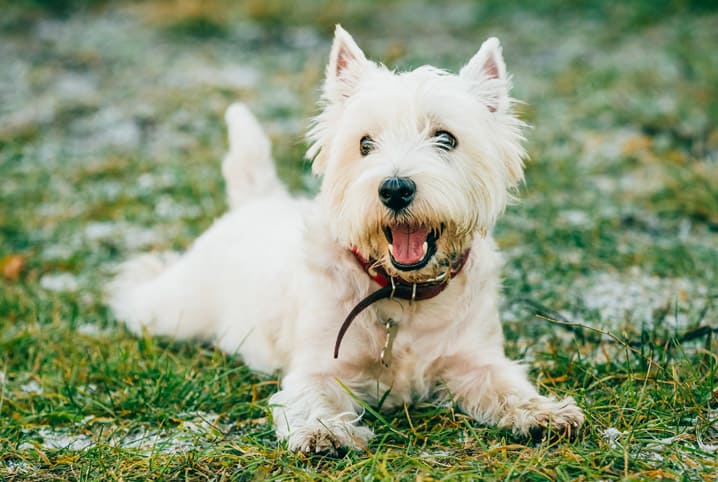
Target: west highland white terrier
column 385, row 287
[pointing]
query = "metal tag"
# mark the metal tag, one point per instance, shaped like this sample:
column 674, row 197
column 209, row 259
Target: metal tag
column 391, row 328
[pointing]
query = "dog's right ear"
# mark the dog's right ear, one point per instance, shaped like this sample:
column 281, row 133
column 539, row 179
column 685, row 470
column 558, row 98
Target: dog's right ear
column 347, row 62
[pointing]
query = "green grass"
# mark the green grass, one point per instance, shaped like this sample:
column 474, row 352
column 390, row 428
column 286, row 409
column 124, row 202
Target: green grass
column 111, row 135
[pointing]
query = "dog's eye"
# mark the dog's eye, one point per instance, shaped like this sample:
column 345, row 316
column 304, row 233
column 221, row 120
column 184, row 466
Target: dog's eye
column 366, row 145
column 445, row 140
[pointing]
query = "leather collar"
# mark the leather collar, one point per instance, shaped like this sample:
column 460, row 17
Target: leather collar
column 395, row 287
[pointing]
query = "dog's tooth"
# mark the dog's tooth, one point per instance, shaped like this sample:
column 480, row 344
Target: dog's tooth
column 425, row 248
column 391, row 249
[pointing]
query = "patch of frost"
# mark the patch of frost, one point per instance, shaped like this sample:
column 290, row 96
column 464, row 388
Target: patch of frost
column 97, row 231
column 131, row 236
column 52, row 439
column 435, row 453
column 168, row 208
column 151, row 440
column 90, row 329
column 31, row 387
column 17, row 468
column 610, row 435
column 59, row 282
column 575, row 218
column 636, row 297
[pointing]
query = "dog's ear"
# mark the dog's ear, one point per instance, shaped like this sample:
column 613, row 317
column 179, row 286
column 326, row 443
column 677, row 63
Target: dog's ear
column 346, row 64
column 487, row 73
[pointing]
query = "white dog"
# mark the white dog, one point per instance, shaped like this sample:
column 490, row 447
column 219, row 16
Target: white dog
column 416, row 168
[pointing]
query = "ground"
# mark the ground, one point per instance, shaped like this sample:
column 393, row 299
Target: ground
column 111, row 137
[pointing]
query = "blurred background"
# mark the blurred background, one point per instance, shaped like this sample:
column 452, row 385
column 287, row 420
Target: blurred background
column 112, row 133
column 111, row 128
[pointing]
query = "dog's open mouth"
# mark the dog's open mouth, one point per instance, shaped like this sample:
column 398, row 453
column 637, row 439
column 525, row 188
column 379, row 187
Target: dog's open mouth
column 411, row 247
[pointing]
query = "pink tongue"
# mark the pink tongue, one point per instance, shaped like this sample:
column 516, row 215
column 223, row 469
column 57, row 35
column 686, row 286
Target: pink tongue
column 408, row 243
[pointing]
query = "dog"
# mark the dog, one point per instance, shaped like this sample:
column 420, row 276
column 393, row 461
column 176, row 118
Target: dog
column 384, row 288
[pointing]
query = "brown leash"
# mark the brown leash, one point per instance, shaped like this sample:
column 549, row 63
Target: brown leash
column 392, row 288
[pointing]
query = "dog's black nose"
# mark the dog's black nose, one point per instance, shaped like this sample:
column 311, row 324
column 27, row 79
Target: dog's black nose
column 397, row 192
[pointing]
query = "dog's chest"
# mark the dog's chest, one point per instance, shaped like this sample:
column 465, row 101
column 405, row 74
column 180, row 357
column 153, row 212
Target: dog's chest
column 411, row 376
column 407, row 361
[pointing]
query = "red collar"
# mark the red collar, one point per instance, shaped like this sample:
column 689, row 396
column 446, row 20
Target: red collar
column 380, row 276
column 395, row 287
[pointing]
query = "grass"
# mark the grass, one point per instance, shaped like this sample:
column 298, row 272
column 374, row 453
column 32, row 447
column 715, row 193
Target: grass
column 111, row 134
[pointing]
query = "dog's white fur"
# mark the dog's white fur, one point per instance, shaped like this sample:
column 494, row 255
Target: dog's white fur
column 273, row 278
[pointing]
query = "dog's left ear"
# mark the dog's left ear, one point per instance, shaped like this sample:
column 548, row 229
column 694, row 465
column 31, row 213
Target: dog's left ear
column 487, row 72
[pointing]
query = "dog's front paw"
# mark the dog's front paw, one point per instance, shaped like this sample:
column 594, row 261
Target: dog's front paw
column 541, row 415
column 328, row 437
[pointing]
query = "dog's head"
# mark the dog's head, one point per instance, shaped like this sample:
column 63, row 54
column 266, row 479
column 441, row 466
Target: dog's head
column 415, row 164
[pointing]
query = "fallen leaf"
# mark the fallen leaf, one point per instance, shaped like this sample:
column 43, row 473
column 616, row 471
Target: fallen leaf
column 11, row 266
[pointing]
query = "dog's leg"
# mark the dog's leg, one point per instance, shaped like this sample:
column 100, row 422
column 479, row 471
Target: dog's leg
column 496, row 391
column 248, row 167
column 314, row 413
column 162, row 293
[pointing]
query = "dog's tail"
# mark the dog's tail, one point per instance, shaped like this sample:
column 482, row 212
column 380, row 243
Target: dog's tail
column 248, row 167
column 159, row 292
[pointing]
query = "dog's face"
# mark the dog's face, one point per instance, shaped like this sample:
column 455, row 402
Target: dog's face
column 415, row 164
